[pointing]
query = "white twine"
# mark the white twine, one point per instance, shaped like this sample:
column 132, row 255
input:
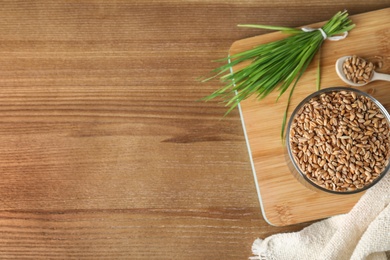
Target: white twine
column 332, row 38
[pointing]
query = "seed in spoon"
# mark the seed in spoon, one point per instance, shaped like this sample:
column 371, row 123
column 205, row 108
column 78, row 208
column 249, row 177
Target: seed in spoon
column 358, row 70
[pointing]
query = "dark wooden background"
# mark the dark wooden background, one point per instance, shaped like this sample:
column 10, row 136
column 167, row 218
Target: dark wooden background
column 104, row 151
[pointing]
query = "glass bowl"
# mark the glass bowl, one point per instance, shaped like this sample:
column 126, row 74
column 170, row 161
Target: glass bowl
column 338, row 141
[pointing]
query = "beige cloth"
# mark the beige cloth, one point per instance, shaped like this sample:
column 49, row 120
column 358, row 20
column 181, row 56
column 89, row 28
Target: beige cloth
column 363, row 233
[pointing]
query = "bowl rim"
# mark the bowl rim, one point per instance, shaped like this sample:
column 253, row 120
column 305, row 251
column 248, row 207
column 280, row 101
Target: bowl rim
column 291, row 119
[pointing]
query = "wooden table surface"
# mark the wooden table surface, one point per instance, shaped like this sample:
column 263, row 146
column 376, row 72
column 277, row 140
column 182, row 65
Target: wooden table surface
column 105, row 153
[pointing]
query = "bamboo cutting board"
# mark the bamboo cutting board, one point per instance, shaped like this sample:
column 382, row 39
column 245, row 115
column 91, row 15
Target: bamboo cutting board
column 283, row 199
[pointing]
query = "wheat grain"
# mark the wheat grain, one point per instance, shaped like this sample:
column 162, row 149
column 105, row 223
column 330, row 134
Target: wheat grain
column 340, row 139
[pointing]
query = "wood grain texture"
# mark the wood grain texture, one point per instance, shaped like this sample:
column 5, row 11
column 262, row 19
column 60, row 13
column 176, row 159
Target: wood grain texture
column 105, row 153
column 284, row 200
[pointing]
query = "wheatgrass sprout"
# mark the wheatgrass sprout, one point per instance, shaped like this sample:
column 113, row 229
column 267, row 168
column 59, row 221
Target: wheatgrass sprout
column 275, row 65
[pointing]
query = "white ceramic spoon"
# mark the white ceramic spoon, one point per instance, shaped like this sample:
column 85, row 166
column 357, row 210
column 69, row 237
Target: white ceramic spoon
column 375, row 75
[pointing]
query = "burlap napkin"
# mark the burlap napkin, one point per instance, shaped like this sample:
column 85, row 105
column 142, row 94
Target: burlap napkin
column 363, row 233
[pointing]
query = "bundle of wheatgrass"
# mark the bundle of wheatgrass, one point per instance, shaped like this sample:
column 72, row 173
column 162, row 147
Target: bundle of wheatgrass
column 275, row 65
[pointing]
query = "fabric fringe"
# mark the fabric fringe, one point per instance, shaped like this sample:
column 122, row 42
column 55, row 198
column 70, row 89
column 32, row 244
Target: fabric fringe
column 258, row 251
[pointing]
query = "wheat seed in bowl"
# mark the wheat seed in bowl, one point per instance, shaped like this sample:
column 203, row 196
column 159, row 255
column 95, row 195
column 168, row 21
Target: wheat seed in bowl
column 339, row 140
